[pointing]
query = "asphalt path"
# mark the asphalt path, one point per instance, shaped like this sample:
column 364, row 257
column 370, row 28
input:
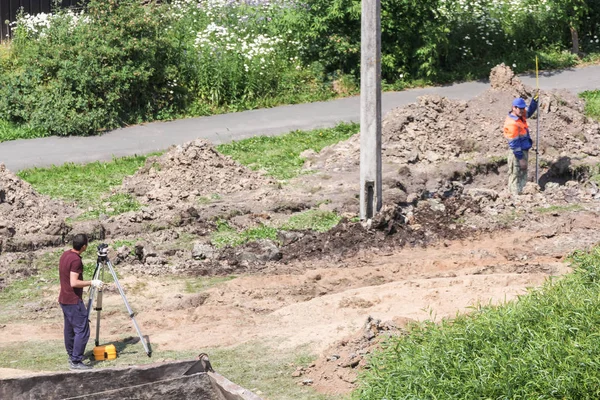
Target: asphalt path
column 157, row 136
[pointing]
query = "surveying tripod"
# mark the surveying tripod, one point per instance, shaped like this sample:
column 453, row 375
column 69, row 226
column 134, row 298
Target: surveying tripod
column 101, row 263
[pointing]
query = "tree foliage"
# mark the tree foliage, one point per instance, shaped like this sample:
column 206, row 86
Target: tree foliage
column 412, row 36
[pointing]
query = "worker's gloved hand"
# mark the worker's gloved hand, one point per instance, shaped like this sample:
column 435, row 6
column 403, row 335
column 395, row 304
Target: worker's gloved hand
column 97, row 283
column 536, row 95
column 523, row 164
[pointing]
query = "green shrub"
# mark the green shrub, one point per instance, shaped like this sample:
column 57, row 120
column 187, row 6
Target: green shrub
column 545, row 345
column 82, row 75
column 411, row 37
column 121, row 62
column 439, row 40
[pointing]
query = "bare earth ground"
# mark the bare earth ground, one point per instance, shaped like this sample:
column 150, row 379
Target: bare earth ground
column 450, row 237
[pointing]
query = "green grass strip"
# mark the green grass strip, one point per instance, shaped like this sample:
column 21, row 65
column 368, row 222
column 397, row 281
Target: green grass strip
column 315, row 220
column 279, row 156
column 559, row 209
column 592, row 103
column 543, row 346
column 88, row 184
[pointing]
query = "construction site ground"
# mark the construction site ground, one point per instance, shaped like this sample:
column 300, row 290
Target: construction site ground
column 450, row 237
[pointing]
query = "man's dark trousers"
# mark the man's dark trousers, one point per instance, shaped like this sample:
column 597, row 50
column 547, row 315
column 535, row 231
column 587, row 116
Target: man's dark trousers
column 77, row 330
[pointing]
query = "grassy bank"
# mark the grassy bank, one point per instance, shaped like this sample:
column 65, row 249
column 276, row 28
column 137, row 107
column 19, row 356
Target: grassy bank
column 545, row 345
column 88, row 185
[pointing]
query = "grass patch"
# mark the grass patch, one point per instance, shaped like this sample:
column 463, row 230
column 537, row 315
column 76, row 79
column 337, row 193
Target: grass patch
column 117, row 244
column 559, row 209
column 113, row 205
column 225, row 235
column 279, row 156
column 204, row 200
column 507, row 219
column 87, row 185
column 545, row 345
column 266, row 372
column 592, row 103
column 591, row 58
column 315, row 220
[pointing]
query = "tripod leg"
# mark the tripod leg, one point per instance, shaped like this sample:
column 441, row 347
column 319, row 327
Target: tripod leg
column 92, row 291
column 131, row 313
column 90, row 302
column 98, row 309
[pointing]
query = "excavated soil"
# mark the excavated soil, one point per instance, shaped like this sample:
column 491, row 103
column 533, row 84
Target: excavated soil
column 449, row 236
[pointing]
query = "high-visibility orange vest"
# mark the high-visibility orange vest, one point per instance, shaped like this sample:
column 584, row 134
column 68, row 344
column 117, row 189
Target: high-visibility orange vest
column 514, row 129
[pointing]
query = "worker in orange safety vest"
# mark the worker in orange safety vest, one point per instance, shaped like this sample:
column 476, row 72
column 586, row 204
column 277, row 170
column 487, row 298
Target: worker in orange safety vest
column 516, row 131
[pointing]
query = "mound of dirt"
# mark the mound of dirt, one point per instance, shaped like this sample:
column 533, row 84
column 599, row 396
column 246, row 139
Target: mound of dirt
column 193, row 169
column 423, row 223
column 24, row 212
column 436, row 129
column 503, row 79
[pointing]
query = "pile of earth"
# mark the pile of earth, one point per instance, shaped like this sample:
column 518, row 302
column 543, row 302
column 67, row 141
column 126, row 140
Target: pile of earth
column 439, row 137
column 190, row 171
column 176, row 185
column 184, row 186
column 24, row 213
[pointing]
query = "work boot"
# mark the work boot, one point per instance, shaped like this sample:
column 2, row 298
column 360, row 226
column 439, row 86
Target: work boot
column 78, row 366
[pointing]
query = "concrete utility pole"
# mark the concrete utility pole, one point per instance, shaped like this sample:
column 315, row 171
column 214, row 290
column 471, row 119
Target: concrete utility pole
column 370, row 109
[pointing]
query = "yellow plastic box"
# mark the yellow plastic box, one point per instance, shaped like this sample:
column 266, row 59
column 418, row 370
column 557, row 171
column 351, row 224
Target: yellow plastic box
column 108, row 352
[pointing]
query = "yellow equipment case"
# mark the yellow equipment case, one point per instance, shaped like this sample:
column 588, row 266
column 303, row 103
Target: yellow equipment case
column 108, row 352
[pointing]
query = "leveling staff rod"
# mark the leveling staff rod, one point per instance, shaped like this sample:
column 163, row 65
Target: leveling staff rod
column 102, row 262
column 537, row 135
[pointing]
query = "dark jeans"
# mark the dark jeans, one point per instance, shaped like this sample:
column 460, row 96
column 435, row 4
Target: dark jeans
column 77, row 330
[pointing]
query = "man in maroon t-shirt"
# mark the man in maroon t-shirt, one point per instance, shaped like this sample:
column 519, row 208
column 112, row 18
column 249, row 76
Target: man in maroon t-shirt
column 77, row 326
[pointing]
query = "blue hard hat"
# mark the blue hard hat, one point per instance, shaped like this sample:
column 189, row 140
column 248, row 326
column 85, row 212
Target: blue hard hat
column 519, row 102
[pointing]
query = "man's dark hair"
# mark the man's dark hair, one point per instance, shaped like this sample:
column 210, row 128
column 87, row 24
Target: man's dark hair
column 79, row 241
